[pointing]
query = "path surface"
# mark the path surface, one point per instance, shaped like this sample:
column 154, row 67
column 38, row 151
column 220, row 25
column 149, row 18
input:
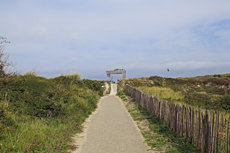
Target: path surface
column 111, row 129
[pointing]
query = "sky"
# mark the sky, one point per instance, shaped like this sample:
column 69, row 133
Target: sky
column 144, row 37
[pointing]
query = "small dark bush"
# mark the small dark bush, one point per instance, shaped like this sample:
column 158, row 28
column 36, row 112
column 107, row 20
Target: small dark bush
column 217, row 75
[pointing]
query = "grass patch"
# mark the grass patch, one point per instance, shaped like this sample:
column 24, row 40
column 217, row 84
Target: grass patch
column 163, row 93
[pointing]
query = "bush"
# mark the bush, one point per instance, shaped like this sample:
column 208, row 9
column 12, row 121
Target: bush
column 217, row 75
column 94, row 85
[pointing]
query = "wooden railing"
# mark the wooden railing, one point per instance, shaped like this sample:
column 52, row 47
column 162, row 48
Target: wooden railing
column 208, row 130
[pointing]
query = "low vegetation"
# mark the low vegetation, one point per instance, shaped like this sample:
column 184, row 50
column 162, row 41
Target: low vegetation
column 208, row 92
column 41, row 115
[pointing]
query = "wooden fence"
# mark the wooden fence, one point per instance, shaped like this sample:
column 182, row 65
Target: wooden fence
column 208, row 130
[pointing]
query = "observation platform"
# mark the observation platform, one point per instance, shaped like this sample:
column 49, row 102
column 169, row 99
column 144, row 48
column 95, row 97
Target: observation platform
column 117, row 71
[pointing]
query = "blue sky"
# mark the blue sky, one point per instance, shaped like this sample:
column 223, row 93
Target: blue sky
column 145, row 37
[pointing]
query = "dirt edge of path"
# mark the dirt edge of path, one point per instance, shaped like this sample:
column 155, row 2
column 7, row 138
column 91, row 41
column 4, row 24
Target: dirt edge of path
column 143, row 125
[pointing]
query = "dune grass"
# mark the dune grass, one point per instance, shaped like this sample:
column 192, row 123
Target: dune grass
column 41, row 115
column 163, row 93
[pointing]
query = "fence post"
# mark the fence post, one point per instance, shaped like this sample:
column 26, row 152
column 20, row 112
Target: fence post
column 175, row 121
column 186, row 122
column 209, row 135
column 213, row 130
column 155, row 104
column 227, row 132
column 217, row 131
column 222, row 133
column 146, row 101
column 160, row 110
column 142, row 99
column 202, row 133
column 172, row 116
column 138, row 95
column 182, row 121
column 196, row 135
column 192, row 126
column 166, row 112
column 179, row 120
column 199, row 134
column 151, row 104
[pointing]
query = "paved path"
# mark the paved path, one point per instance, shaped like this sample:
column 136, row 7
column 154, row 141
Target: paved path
column 111, row 129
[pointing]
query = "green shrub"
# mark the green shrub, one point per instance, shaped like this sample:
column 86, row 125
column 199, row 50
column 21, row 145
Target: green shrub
column 217, row 75
column 94, row 85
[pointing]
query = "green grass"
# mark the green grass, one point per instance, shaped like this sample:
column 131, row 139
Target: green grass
column 41, row 115
column 120, row 93
column 162, row 136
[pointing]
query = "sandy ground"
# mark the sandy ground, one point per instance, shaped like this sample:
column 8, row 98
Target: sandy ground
column 110, row 129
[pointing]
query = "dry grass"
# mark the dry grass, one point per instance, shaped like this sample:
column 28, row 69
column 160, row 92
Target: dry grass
column 30, row 74
column 73, row 75
column 163, row 93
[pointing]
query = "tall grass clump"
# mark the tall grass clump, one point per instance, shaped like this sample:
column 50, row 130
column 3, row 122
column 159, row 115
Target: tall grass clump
column 41, row 115
column 73, row 75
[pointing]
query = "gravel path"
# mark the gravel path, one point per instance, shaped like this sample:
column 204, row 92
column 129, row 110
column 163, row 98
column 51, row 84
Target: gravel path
column 111, row 129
